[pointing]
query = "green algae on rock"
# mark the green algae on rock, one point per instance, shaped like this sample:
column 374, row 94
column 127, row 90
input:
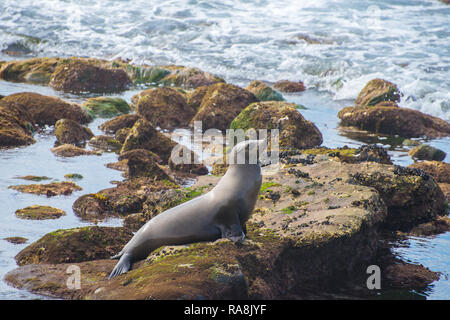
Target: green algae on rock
column 70, row 132
column 187, row 77
column 426, row 152
column 106, row 107
column 295, row 131
column 69, row 150
column 105, row 143
column 50, row 189
column 263, row 92
column 37, row 212
column 221, row 104
column 73, row 176
column 35, row 70
column 144, row 136
column 376, row 91
column 75, row 245
column 164, row 107
column 33, row 178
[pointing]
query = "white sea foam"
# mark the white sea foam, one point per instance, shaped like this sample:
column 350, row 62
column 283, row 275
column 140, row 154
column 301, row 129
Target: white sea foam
column 403, row 42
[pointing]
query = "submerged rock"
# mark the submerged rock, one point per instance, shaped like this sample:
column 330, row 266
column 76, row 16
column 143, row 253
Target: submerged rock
column 73, row 176
column 426, row 152
column 105, row 143
column 263, row 92
column 144, row 136
column 80, row 75
column 75, row 245
column 106, row 107
column 119, row 122
column 376, row 91
column 50, row 189
column 164, row 107
column 294, row 130
column 16, row 240
column 69, row 150
column 37, row 212
column 289, row 86
column 221, row 104
column 70, row 132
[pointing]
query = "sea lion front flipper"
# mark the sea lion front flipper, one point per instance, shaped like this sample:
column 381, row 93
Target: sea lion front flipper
column 233, row 232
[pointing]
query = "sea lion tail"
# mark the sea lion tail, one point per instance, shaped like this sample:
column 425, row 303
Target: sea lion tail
column 122, row 266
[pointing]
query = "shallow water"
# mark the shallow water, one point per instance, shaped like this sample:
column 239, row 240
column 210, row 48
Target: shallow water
column 334, row 46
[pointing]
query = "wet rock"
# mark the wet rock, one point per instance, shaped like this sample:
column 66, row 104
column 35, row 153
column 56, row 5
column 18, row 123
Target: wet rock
column 105, row 143
column 75, row 245
column 289, row 86
column 80, row 75
column 426, row 152
column 393, row 120
column 410, row 143
column 194, row 99
column 142, row 163
column 402, row 275
column 37, row 212
column 295, row 131
column 438, row 226
column 16, row 240
column 124, row 199
column 221, row 104
column 106, row 107
column 35, row 70
column 50, row 189
column 70, row 132
column 439, row 170
column 190, row 78
column 144, row 136
column 34, row 178
column 122, row 134
column 184, row 160
column 73, row 176
column 376, row 91
column 46, row 110
column 69, row 150
column 119, row 122
column 164, row 107
column 263, row 92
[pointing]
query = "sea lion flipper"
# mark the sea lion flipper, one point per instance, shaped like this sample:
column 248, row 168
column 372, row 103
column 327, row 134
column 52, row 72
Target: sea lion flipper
column 233, row 232
column 122, row 266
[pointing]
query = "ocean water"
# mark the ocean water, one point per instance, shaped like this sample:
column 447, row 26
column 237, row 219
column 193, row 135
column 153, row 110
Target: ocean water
column 334, row 46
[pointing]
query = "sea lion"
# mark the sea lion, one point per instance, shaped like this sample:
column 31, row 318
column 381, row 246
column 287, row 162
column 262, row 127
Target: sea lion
column 220, row 213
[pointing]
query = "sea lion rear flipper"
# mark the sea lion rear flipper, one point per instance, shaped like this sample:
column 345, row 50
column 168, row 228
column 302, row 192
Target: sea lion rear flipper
column 122, row 266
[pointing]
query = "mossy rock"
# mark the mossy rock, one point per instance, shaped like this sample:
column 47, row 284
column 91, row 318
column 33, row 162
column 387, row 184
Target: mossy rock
column 88, row 75
column 46, row 110
column 194, row 98
column 16, row 240
column 73, row 176
column 376, row 91
column 185, row 160
column 144, row 136
column 105, row 143
column 70, row 132
column 263, row 92
column 75, row 245
column 16, row 125
column 426, row 152
column 145, row 74
column 164, row 107
column 221, row 104
column 439, row 170
column 294, row 130
column 106, row 107
column 393, row 120
column 50, row 189
column 37, row 212
column 33, row 178
column 35, row 70
column 120, row 122
column 186, row 77
column 289, row 86
column 69, row 150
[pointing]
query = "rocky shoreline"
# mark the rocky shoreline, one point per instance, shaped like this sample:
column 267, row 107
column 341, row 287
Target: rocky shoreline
column 319, row 221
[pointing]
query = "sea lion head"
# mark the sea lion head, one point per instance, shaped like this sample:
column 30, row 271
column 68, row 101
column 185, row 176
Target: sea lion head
column 247, row 152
